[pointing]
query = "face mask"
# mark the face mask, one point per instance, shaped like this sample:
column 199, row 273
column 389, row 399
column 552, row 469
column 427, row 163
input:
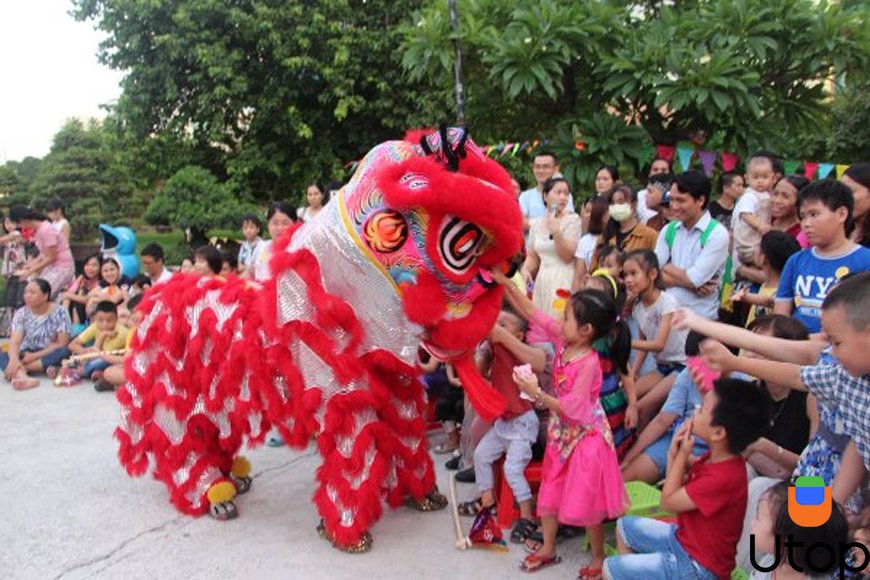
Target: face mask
column 620, row 211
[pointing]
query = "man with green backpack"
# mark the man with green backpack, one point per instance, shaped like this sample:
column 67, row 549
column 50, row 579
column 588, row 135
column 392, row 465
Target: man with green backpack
column 693, row 248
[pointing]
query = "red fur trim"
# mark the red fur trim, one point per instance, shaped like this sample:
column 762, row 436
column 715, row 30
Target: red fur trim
column 488, row 402
column 424, row 301
column 464, row 334
column 488, row 205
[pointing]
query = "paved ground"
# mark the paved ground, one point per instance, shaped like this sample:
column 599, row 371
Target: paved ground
column 69, row 511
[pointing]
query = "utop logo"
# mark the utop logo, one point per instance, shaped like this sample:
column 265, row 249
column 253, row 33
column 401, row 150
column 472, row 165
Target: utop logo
column 809, row 501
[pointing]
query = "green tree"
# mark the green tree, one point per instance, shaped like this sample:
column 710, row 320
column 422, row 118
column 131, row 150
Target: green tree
column 268, row 94
column 9, row 181
column 81, row 172
column 849, row 138
column 735, row 74
column 194, row 199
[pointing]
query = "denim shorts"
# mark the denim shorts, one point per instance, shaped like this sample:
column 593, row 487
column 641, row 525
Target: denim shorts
column 666, row 368
column 52, row 359
column 659, row 556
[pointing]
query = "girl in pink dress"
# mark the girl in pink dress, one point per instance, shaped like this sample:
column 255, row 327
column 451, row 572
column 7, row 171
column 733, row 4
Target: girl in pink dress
column 582, row 484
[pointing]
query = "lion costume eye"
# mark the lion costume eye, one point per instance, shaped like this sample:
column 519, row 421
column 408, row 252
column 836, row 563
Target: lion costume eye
column 386, row 231
column 458, row 244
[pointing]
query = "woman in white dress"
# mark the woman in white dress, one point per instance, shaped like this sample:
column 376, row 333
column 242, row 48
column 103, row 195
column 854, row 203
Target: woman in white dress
column 552, row 243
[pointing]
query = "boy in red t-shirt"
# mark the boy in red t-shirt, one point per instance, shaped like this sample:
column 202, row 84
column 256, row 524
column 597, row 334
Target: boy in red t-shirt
column 514, row 433
column 710, row 501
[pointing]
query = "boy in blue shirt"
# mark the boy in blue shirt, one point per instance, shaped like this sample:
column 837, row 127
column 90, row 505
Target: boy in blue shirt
column 808, row 276
column 648, row 457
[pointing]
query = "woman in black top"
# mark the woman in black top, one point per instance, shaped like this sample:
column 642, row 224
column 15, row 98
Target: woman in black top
column 730, row 188
column 794, row 417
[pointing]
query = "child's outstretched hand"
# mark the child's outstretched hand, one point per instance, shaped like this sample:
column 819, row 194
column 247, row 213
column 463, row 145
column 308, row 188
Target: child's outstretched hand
column 717, row 356
column 684, row 319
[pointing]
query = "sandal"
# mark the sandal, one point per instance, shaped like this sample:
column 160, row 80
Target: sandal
column 535, row 562
column 443, row 448
column 536, row 539
column 523, row 530
column 470, row 508
column 589, row 574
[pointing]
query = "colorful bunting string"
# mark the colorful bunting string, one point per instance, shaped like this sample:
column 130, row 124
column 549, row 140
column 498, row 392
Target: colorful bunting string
column 708, row 161
column 729, row 161
column 684, row 154
column 825, row 169
column 683, row 151
column 666, row 152
column 790, row 166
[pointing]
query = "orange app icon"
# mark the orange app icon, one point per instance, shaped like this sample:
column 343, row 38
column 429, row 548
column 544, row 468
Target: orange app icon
column 809, row 502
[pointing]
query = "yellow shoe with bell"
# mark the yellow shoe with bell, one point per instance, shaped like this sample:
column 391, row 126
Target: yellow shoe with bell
column 240, row 474
column 220, row 498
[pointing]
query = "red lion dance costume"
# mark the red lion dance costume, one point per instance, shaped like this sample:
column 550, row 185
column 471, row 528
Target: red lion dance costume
column 327, row 348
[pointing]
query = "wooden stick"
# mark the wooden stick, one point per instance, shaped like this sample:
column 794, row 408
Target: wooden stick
column 77, row 358
column 461, row 540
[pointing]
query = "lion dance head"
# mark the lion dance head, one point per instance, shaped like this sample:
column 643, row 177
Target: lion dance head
column 432, row 214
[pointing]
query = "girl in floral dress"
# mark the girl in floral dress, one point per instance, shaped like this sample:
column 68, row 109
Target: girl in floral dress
column 581, row 483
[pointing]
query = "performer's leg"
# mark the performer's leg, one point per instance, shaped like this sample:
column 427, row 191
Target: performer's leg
column 196, row 469
column 414, row 471
column 350, row 480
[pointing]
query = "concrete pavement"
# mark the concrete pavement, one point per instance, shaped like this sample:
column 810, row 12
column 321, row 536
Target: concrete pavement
column 69, row 511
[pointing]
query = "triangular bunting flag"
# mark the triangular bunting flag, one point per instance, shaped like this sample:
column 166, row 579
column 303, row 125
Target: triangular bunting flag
column 685, row 156
column 729, row 161
column 507, row 149
column 841, row 170
column 516, row 148
column 825, row 169
column 791, row 166
column 666, row 152
column 708, row 160
column 647, row 152
column 810, row 168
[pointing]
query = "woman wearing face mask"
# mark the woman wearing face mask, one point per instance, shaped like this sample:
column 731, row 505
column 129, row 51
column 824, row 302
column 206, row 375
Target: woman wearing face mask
column 623, row 229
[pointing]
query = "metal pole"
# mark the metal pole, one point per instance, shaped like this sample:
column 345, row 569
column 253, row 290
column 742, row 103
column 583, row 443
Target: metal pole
column 457, row 64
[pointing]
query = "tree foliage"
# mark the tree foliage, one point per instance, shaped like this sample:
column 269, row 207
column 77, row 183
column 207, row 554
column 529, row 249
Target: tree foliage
column 734, row 74
column 849, row 137
column 268, row 94
column 194, row 199
column 81, row 171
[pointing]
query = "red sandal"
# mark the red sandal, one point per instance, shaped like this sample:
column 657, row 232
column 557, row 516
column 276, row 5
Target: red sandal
column 535, row 562
column 589, row 574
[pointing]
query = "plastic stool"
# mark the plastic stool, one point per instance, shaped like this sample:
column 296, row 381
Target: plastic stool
column 644, row 500
column 507, row 511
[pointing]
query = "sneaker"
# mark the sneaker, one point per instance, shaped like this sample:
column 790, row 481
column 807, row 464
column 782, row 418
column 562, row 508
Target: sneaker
column 466, row 476
column 102, row 386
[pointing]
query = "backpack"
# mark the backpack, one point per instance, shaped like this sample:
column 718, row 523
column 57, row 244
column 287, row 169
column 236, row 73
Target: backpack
column 728, row 274
column 671, row 233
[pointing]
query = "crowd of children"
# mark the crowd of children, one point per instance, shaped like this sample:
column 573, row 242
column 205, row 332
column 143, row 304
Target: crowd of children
column 613, row 364
column 723, row 436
